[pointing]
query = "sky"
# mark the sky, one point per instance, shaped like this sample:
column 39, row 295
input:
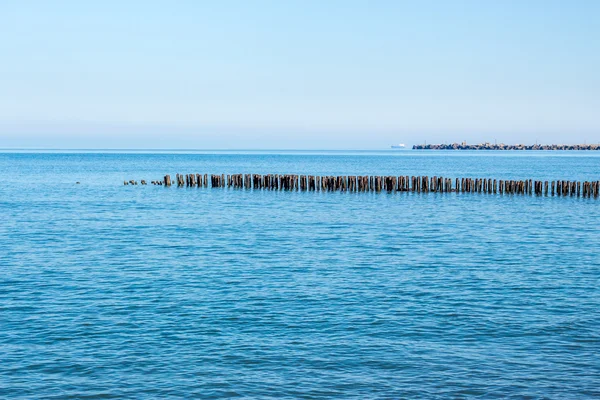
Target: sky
column 298, row 74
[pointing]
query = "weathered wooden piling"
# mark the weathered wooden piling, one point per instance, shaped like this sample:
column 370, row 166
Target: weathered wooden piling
column 378, row 183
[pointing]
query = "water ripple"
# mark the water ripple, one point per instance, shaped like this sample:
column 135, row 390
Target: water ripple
column 113, row 292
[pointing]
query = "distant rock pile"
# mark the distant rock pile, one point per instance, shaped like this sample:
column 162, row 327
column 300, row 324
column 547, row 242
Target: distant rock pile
column 502, row 146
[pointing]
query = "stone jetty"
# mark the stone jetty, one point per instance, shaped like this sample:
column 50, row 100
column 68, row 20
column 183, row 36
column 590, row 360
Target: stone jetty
column 374, row 183
column 502, row 146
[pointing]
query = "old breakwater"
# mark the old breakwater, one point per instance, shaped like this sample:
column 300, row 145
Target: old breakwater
column 366, row 183
column 502, row 146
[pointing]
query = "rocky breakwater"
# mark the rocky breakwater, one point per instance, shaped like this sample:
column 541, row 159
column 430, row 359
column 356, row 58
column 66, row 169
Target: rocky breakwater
column 502, row 146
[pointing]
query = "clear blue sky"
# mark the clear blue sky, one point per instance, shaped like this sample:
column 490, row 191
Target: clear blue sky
column 297, row 74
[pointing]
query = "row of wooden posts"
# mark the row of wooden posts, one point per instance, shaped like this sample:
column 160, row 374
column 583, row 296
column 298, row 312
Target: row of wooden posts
column 419, row 184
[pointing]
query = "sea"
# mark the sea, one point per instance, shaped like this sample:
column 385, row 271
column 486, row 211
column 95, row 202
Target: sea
column 110, row 291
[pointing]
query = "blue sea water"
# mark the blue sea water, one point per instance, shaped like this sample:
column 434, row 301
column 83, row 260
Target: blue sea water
column 112, row 291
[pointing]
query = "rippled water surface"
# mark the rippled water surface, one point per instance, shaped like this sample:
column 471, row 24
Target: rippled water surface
column 112, row 291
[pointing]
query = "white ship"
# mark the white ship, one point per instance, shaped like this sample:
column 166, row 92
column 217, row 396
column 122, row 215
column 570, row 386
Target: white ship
column 398, row 146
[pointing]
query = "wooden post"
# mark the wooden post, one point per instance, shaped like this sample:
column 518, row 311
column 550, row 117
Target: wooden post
column 379, row 183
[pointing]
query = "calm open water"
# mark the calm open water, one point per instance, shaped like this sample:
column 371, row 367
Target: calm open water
column 112, row 291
